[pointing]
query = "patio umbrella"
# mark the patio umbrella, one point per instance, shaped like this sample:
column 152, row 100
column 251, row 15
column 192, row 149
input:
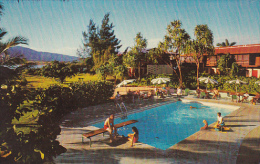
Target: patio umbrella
column 125, row 82
column 237, row 81
column 257, row 82
column 160, row 80
column 207, row 80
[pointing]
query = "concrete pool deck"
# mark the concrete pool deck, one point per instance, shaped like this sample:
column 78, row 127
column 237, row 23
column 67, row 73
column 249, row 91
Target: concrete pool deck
column 239, row 145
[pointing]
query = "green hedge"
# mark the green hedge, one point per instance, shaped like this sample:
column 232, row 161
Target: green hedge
column 190, row 81
column 57, row 100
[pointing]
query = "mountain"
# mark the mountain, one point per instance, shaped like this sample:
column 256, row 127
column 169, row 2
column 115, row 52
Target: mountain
column 33, row 55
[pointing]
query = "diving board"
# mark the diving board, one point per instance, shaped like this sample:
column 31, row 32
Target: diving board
column 102, row 130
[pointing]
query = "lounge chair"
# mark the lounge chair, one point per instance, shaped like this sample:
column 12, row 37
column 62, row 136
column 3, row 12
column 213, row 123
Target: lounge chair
column 202, row 95
column 235, row 97
column 187, row 90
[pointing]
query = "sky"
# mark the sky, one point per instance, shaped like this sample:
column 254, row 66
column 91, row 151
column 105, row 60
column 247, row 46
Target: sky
column 57, row 26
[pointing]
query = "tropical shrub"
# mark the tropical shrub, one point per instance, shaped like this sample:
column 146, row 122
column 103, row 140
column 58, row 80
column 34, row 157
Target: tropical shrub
column 59, row 70
column 56, row 101
column 250, row 87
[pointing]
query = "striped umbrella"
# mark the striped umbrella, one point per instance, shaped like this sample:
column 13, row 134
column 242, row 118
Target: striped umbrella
column 257, row 82
column 160, row 80
column 237, row 81
column 207, row 80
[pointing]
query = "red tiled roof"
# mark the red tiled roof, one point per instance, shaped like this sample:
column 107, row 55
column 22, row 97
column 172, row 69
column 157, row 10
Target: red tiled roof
column 241, row 49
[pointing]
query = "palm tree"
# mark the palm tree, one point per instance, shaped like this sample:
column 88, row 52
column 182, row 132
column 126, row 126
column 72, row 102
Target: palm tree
column 175, row 41
column 4, row 46
column 203, row 44
column 226, row 44
column 1, row 9
column 135, row 56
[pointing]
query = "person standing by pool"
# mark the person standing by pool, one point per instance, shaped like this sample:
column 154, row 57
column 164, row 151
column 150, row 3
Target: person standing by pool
column 179, row 92
column 198, row 91
column 220, row 121
column 109, row 126
column 216, row 93
column 133, row 138
column 118, row 96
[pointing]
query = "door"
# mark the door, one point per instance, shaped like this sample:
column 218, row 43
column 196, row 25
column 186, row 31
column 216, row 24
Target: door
column 254, row 73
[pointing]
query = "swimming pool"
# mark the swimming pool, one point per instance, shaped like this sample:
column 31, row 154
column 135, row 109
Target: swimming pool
column 164, row 126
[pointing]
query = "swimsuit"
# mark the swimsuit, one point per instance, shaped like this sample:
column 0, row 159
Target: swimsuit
column 221, row 119
column 105, row 127
column 135, row 140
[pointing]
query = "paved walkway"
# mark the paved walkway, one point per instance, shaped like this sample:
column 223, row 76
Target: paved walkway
column 202, row 147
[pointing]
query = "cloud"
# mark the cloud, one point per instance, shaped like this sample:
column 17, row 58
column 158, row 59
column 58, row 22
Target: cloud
column 65, row 50
column 154, row 42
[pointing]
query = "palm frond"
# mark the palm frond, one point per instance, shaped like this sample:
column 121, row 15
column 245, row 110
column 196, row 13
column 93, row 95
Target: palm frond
column 1, row 8
column 233, row 43
column 2, row 33
column 14, row 42
column 219, row 44
column 226, row 42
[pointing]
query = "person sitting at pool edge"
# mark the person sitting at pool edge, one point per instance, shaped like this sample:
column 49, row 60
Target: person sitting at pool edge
column 205, row 126
column 220, row 121
column 109, row 126
column 133, row 138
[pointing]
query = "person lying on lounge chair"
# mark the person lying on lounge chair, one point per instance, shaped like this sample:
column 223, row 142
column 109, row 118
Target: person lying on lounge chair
column 245, row 97
column 158, row 93
column 150, row 94
column 256, row 98
column 161, row 95
column 137, row 94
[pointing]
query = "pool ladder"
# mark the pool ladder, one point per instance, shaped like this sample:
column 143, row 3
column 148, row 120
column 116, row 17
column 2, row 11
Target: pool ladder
column 122, row 105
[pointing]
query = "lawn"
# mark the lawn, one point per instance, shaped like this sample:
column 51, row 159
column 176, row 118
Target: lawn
column 26, row 122
column 44, row 82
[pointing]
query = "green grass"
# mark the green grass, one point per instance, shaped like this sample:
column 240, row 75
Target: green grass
column 44, row 82
column 25, row 123
column 27, row 118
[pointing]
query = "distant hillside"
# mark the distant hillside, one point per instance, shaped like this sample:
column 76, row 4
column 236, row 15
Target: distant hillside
column 33, row 55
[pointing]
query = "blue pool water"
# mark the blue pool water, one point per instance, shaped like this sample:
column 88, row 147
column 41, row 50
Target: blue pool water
column 164, row 126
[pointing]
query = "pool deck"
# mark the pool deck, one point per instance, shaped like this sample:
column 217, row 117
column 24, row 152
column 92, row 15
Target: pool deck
column 239, row 145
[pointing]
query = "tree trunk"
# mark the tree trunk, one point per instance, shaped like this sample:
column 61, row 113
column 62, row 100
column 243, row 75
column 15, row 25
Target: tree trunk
column 139, row 71
column 115, row 80
column 180, row 76
column 198, row 68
